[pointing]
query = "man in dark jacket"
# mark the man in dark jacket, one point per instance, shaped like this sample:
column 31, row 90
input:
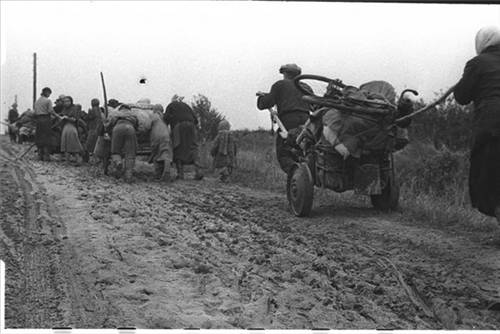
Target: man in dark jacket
column 12, row 118
column 183, row 124
column 480, row 84
column 292, row 111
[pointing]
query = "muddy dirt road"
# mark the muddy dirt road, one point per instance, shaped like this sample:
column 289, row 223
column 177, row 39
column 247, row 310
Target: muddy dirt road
column 84, row 250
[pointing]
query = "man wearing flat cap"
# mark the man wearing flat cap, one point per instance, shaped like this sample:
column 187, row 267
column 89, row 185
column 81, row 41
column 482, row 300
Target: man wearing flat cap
column 292, row 111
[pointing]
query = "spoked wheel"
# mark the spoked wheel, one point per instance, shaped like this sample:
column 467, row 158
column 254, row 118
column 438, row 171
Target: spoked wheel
column 389, row 198
column 300, row 190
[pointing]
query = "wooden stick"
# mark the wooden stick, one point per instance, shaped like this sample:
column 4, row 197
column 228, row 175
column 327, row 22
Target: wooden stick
column 105, row 96
column 25, row 152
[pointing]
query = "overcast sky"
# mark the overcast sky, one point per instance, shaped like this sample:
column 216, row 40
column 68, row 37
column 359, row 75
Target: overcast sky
column 229, row 50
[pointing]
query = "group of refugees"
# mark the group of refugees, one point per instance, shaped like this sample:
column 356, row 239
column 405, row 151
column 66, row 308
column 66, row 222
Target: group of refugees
column 479, row 84
column 96, row 135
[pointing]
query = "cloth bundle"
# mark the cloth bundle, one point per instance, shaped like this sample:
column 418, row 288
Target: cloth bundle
column 344, row 131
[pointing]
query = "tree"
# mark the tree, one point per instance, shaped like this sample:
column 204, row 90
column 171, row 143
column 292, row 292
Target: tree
column 208, row 117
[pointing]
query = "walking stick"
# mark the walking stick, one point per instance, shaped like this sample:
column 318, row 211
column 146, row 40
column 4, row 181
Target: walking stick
column 25, row 152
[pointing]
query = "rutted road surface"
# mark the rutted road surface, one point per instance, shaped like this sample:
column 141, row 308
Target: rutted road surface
column 86, row 251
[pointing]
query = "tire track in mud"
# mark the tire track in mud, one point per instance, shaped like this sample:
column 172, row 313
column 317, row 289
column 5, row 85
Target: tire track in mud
column 37, row 291
column 41, row 285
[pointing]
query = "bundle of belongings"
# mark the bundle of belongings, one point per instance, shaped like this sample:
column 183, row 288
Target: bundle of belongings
column 152, row 133
column 26, row 125
column 356, row 125
column 142, row 110
column 353, row 131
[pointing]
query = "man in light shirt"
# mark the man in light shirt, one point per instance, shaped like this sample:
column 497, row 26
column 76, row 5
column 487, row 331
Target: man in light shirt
column 43, row 135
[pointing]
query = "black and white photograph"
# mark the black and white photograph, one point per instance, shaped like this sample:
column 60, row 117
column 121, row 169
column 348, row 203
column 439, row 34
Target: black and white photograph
column 249, row 165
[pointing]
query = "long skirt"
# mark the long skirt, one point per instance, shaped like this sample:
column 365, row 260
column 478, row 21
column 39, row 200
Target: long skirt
column 70, row 143
column 161, row 144
column 43, row 132
column 91, row 140
column 185, row 143
column 484, row 176
column 124, row 140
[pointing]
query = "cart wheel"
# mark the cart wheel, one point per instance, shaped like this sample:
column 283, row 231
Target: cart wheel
column 389, row 198
column 300, row 190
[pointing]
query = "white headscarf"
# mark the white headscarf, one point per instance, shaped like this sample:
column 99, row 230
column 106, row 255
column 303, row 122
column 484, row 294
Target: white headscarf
column 486, row 37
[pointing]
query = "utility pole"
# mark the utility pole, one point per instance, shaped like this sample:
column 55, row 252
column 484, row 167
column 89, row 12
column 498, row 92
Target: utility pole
column 34, row 79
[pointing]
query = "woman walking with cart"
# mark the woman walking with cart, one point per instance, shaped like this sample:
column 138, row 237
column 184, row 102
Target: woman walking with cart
column 480, row 84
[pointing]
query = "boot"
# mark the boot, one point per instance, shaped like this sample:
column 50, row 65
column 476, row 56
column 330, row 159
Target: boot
column 159, row 169
column 180, row 171
column 67, row 158
column 116, row 165
column 198, row 174
column 86, row 156
column 224, row 174
column 46, row 154
column 167, row 174
column 129, row 167
column 78, row 159
column 39, row 150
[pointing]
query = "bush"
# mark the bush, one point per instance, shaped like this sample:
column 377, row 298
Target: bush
column 448, row 125
column 208, row 117
column 430, row 170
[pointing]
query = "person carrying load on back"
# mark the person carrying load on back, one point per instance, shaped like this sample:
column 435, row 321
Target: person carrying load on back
column 12, row 118
column 122, row 124
column 224, row 150
column 480, row 84
column 183, row 124
column 292, row 111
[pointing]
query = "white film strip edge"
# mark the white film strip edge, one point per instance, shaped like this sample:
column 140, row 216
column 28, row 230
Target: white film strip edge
column 2, row 296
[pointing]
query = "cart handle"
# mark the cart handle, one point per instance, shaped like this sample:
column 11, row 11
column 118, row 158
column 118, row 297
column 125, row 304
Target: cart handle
column 296, row 81
column 427, row 107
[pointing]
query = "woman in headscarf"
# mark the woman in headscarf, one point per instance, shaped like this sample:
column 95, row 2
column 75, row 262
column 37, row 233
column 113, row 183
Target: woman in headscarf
column 70, row 142
column 95, row 118
column 224, row 150
column 480, row 84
